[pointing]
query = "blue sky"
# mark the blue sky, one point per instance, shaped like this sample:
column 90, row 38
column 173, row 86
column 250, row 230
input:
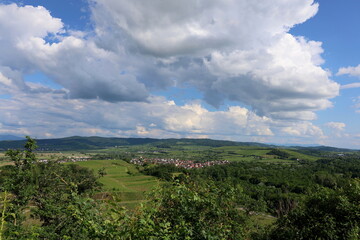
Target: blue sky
column 335, row 26
column 285, row 72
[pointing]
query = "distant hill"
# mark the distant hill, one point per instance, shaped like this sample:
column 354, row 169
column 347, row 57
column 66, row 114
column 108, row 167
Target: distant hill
column 322, row 150
column 326, row 149
column 77, row 143
column 93, row 143
column 204, row 142
column 10, row 138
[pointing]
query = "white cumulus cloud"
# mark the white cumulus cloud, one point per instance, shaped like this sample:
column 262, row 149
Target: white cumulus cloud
column 74, row 62
column 237, row 50
column 352, row 71
column 351, row 85
column 336, row 125
column 168, row 28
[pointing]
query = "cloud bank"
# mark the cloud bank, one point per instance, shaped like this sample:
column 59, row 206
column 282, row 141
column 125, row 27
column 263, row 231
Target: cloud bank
column 229, row 50
column 160, row 118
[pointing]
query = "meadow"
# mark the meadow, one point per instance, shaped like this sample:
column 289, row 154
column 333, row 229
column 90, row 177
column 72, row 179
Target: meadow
column 207, row 153
column 123, row 180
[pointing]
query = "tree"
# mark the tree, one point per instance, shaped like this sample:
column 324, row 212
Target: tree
column 50, row 188
column 280, row 153
column 25, row 158
column 327, row 214
column 191, row 210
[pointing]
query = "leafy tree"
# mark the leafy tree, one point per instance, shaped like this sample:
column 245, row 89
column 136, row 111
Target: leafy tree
column 279, row 153
column 25, row 158
column 327, row 214
column 191, row 210
column 49, row 188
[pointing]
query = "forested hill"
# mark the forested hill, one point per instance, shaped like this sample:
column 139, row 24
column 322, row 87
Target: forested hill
column 93, row 143
column 10, row 137
column 78, row 143
column 89, row 143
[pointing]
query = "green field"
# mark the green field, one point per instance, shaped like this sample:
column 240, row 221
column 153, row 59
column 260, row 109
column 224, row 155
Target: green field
column 235, row 153
column 4, row 160
column 126, row 182
column 129, row 185
column 5, row 163
column 206, row 153
column 123, row 180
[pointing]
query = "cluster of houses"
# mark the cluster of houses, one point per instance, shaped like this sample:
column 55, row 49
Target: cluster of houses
column 188, row 164
column 76, row 159
column 69, row 159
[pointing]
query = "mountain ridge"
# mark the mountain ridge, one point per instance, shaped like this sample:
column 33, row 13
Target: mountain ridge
column 7, row 137
column 96, row 142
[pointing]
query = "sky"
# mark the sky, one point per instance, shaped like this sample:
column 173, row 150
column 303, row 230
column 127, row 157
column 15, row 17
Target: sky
column 279, row 72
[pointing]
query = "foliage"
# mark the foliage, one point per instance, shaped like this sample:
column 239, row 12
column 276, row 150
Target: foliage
column 281, row 186
column 25, row 158
column 279, row 153
column 4, row 203
column 327, row 214
column 191, row 210
column 162, row 171
column 49, row 189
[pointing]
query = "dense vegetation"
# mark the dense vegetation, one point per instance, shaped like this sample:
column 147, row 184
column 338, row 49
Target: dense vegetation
column 273, row 188
column 299, row 199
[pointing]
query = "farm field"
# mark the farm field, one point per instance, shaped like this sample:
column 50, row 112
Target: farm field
column 4, row 163
column 123, row 180
column 235, row 153
column 205, row 153
column 3, row 160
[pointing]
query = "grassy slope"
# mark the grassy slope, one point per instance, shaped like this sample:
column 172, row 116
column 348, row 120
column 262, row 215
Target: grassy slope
column 123, row 179
column 235, row 153
column 3, row 160
column 5, row 163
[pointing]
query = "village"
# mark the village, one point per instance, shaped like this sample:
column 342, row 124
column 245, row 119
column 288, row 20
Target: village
column 69, row 159
column 187, row 164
